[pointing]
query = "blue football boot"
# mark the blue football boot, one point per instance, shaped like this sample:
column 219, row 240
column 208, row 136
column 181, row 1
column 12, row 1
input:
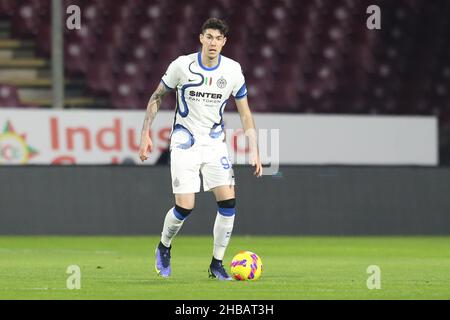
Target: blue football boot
column 217, row 271
column 162, row 264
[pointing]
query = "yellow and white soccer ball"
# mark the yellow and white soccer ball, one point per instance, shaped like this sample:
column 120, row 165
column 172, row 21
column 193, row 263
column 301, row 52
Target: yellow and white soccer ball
column 246, row 265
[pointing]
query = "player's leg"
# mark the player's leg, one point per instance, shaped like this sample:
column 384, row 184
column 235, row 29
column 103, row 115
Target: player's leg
column 223, row 226
column 175, row 217
column 185, row 166
column 218, row 177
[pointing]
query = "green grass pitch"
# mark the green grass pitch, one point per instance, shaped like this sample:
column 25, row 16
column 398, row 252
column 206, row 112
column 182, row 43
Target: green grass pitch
column 294, row 268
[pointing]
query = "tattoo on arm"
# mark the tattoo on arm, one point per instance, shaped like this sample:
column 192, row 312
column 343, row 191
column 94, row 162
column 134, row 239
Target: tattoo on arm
column 153, row 106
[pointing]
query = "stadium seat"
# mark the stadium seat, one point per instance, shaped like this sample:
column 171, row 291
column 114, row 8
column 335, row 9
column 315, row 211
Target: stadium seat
column 7, row 8
column 297, row 56
column 124, row 96
column 9, row 96
column 100, row 78
column 77, row 59
column 26, row 21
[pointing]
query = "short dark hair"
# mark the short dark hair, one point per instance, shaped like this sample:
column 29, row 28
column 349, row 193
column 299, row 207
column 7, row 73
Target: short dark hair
column 216, row 24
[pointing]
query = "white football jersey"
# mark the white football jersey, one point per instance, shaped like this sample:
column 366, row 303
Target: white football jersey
column 202, row 94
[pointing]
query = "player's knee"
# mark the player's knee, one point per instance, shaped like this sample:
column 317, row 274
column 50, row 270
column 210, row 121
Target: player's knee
column 227, row 207
column 230, row 203
column 181, row 213
column 185, row 201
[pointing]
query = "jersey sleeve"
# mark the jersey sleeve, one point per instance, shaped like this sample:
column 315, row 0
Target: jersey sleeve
column 239, row 89
column 171, row 78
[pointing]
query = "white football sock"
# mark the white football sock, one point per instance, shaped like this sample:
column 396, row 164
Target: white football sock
column 223, row 227
column 171, row 227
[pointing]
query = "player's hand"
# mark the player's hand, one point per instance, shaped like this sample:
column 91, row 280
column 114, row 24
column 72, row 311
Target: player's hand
column 256, row 162
column 146, row 146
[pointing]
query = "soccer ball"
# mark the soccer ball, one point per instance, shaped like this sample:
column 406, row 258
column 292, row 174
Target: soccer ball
column 246, row 265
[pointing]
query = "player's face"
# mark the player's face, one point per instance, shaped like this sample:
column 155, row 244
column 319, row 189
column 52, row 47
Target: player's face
column 213, row 42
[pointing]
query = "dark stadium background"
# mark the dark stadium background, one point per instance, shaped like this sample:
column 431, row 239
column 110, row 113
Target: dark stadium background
column 299, row 57
column 307, row 56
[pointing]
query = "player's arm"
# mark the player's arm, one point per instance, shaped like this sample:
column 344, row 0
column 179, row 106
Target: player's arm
column 250, row 131
column 152, row 109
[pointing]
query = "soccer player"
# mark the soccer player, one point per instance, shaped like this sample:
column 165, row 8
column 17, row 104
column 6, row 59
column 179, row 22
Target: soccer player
column 203, row 83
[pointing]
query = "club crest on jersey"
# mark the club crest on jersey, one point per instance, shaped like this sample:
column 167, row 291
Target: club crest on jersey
column 221, row 83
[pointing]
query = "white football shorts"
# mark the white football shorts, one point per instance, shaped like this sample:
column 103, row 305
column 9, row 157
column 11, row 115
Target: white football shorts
column 188, row 159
